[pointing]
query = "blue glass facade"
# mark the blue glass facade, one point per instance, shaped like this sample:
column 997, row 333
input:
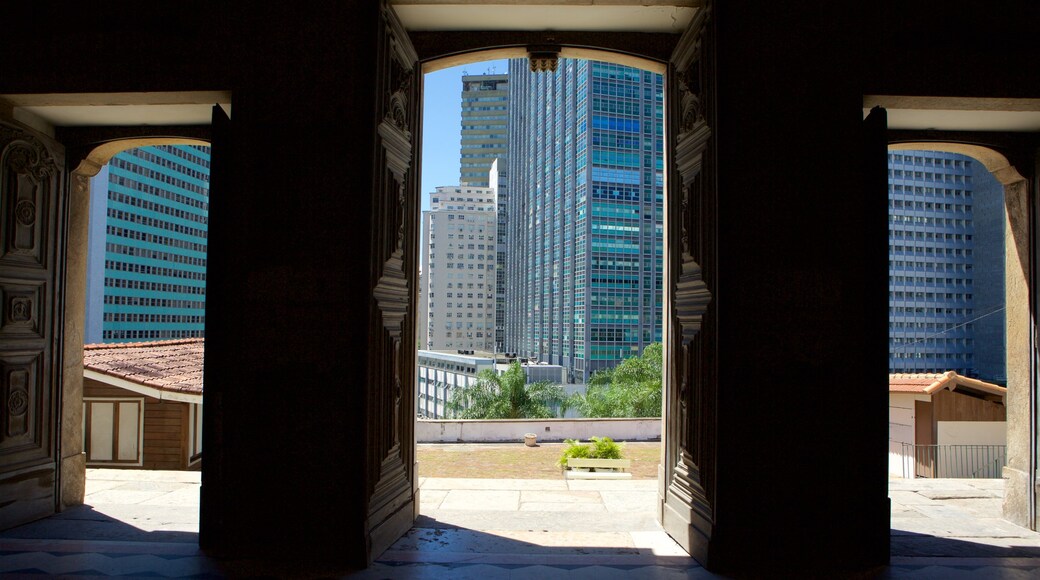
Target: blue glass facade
column 147, row 279
column 585, row 232
column 945, row 270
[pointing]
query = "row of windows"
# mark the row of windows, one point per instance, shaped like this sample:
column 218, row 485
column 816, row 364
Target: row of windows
column 157, row 207
column 151, row 222
column 154, row 302
column 194, row 154
column 931, row 266
column 154, row 286
column 154, row 270
column 928, row 326
column 931, row 251
column 932, row 161
column 966, row 356
column 462, row 266
column 927, row 205
column 140, row 170
column 928, row 280
column 154, row 254
column 150, row 334
column 927, row 221
column 929, row 176
column 898, row 188
column 897, row 310
column 930, row 235
column 154, row 239
column 450, row 314
column 929, row 295
column 154, row 318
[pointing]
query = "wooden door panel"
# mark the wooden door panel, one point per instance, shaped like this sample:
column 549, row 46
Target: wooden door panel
column 31, row 202
column 687, row 476
column 392, row 503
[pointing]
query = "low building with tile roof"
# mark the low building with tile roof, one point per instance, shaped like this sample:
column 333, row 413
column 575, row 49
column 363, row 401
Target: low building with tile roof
column 945, row 425
column 142, row 404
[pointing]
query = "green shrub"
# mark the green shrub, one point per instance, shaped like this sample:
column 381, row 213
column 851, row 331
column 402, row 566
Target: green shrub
column 575, row 449
column 601, row 448
column 605, row 448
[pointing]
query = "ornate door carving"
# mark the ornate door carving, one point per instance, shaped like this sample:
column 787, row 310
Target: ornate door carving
column 687, row 473
column 393, row 490
column 31, row 262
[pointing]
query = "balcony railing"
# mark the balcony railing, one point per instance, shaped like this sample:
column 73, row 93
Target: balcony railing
column 957, row 461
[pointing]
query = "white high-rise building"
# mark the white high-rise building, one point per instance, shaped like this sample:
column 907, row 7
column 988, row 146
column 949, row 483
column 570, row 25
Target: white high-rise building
column 457, row 309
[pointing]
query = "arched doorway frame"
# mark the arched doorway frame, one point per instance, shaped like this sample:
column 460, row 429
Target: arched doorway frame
column 1019, row 473
column 687, row 473
column 73, row 461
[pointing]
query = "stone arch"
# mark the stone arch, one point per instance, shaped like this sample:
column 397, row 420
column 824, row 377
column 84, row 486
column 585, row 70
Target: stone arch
column 1019, row 499
column 73, row 466
column 520, row 51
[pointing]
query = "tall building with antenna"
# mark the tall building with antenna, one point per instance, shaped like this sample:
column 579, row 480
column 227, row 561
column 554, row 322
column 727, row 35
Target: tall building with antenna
column 485, row 122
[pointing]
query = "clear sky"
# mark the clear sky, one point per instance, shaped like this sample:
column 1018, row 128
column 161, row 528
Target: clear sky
column 442, row 123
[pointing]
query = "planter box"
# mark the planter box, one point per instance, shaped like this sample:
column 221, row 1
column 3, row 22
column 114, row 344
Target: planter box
column 598, row 468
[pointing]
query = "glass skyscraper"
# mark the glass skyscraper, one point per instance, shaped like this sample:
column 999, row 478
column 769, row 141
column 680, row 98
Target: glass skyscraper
column 946, row 266
column 146, row 273
column 585, row 214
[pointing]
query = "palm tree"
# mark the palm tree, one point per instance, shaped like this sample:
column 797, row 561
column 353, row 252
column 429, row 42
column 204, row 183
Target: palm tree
column 507, row 396
column 631, row 389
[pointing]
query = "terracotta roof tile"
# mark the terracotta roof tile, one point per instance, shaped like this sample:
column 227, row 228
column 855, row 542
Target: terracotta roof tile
column 169, row 365
column 930, row 383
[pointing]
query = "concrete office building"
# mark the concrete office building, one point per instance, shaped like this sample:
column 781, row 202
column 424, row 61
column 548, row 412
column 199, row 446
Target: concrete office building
column 585, row 235
column 146, row 272
column 946, row 266
column 485, row 118
column 458, row 280
column 440, row 372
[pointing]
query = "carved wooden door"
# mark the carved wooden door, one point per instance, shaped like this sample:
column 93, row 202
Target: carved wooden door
column 393, row 501
column 32, row 185
column 218, row 281
column 686, row 480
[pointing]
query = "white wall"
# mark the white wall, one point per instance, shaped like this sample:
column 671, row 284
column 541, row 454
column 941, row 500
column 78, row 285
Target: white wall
column 972, row 433
column 503, row 430
column 901, row 430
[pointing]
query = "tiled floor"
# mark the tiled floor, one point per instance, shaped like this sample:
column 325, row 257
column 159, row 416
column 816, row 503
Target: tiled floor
column 145, row 524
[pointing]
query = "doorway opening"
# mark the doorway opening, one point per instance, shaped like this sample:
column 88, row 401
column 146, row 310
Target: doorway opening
column 959, row 383
column 541, row 248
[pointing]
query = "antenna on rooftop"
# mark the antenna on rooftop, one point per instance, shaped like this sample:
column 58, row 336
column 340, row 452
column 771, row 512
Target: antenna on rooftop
column 465, row 73
column 491, row 70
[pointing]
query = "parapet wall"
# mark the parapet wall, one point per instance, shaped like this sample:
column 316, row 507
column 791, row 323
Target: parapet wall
column 505, row 430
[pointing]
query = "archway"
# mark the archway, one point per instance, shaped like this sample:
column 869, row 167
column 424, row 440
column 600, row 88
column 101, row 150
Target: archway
column 1019, row 473
column 686, row 488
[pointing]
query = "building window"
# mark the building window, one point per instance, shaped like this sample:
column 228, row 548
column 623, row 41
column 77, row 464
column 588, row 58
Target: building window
column 112, row 430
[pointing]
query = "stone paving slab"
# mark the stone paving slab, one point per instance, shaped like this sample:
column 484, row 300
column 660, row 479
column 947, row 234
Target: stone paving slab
column 139, row 475
column 431, row 498
column 451, row 483
column 910, row 498
column 960, row 493
column 561, row 496
column 481, row 500
column 612, row 484
column 552, row 507
column 896, row 483
column 630, row 501
column 549, row 521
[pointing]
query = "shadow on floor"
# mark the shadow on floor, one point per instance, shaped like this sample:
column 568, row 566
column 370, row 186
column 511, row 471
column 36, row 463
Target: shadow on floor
column 915, row 545
column 85, row 523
